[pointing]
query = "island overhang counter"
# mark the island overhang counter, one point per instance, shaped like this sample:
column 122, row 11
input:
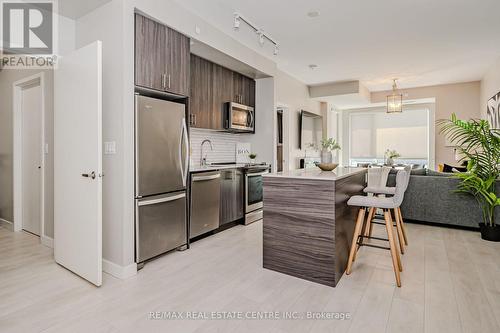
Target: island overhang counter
column 308, row 226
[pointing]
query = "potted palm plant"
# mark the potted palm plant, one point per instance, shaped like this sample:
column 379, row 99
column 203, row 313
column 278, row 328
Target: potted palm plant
column 480, row 145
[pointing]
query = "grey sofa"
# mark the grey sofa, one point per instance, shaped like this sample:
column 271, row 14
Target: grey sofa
column 430, row 198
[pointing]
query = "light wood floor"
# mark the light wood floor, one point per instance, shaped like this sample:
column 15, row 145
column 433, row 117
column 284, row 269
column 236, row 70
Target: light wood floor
column 451, row 283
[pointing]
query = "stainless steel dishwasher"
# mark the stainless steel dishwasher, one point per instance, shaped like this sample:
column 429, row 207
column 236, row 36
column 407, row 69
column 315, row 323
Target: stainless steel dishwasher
column 205, row 202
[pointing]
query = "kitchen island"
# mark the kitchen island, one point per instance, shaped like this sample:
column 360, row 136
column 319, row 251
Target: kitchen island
column 308, row 226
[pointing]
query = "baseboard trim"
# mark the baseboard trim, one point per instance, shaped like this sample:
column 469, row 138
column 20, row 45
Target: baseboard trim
column 47, row 241
column 7, row 224
column 121, row 272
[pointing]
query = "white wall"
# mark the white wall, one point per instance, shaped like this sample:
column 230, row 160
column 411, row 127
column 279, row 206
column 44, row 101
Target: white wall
column 490, row 85
column 65, row 44
column 264, row 140
column 295, row 95
column 106, row 24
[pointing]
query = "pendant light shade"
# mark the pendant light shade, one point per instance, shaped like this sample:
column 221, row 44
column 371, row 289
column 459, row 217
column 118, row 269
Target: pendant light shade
column 395, row 100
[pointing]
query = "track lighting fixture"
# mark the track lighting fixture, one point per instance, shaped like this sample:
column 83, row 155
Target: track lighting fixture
column 262, row 35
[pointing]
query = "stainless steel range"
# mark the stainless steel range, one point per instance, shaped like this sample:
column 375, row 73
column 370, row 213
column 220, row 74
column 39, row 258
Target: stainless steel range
column 254, row 191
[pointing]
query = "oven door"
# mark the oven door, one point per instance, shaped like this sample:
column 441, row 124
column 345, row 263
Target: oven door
column 254, row 191
column 241, row 117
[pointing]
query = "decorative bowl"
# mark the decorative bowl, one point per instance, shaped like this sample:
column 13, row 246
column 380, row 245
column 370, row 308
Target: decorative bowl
column 327, row 166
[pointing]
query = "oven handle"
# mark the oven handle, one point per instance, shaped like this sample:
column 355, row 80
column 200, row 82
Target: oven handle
column 257, row 173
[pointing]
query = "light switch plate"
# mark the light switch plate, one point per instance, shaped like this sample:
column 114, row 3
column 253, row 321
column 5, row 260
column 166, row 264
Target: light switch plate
column 110, row 148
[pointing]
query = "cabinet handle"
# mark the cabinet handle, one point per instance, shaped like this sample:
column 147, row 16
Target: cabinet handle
column 169, row 80
column 163, row 81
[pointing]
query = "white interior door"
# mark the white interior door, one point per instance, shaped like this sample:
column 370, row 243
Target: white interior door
column 31, row 113
column 78, row 162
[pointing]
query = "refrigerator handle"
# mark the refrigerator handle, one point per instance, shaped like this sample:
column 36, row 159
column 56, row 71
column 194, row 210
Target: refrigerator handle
column 184, row 138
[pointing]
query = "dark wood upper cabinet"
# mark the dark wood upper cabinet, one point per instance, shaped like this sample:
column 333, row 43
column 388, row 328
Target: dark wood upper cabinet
column 212, row 86
column 162, row 57
column 222, row 94
column 243, row 90
column 150, row 62
column 201, row 99
column 178, row 60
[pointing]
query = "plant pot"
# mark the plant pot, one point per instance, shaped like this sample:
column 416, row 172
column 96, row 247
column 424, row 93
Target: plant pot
column 326, row 156
column 389, row 162
column 490, row 233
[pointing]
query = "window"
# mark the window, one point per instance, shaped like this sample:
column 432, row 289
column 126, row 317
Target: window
column 373, row 132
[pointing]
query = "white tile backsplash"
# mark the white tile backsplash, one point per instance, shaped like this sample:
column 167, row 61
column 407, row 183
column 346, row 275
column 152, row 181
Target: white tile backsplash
column 224, row 145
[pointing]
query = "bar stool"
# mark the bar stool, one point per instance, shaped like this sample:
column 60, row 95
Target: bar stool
column 386, row 203
column 385, row 190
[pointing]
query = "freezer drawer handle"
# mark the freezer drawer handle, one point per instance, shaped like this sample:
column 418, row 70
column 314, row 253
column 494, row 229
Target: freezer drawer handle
column 201, row 178
column 257, row 174
column 157, row 201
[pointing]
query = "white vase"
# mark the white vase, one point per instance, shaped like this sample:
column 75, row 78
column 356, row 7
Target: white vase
column 389, row 161
column 326, row 156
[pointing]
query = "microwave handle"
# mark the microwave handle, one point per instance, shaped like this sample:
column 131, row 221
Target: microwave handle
column 252, row 125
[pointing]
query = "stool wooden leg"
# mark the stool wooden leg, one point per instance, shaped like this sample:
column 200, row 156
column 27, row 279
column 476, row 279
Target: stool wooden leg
column 400, row 265
column 400, row 232
column 394, row 252
column 402, row 226
column 369, row 226
column 363, row 232
column 357, row 230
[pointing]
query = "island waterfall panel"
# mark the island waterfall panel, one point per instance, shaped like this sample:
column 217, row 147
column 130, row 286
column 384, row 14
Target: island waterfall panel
column 308, row 226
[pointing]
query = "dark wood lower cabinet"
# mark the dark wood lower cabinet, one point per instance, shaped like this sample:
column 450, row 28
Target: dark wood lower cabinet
column 232, row 196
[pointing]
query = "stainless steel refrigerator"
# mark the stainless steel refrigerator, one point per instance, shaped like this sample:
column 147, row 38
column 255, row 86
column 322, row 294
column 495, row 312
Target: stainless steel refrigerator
column 161, row 170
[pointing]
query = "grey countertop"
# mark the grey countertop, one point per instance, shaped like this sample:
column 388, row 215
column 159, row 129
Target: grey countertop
column 316, row 173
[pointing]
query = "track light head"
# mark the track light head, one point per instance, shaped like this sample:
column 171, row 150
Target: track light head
column 237, row 21
column 261, row 37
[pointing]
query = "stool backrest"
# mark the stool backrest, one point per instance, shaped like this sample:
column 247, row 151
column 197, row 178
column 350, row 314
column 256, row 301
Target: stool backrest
column 408, row 169
column 377, row 177
column 401, row 184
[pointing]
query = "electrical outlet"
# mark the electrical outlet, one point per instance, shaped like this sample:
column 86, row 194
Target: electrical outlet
column 110, row 148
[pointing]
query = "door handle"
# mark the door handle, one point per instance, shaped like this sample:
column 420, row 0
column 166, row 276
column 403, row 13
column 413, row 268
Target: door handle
column 89, row 175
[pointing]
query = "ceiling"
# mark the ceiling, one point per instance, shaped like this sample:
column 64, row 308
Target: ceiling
column 75, row 9
column 424, row 42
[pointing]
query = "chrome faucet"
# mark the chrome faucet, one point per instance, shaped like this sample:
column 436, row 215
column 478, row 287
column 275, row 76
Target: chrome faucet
column 203, row 160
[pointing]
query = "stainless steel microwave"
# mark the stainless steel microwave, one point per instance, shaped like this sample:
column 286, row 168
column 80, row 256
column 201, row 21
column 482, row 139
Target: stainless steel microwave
column 239, row 117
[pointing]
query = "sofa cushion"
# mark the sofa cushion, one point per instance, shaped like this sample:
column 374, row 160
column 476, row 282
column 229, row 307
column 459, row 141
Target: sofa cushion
column 437, row 173
column 416, row 172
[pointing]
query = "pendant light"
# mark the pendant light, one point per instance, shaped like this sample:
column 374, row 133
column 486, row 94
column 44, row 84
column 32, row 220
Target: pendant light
column 395, row 100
